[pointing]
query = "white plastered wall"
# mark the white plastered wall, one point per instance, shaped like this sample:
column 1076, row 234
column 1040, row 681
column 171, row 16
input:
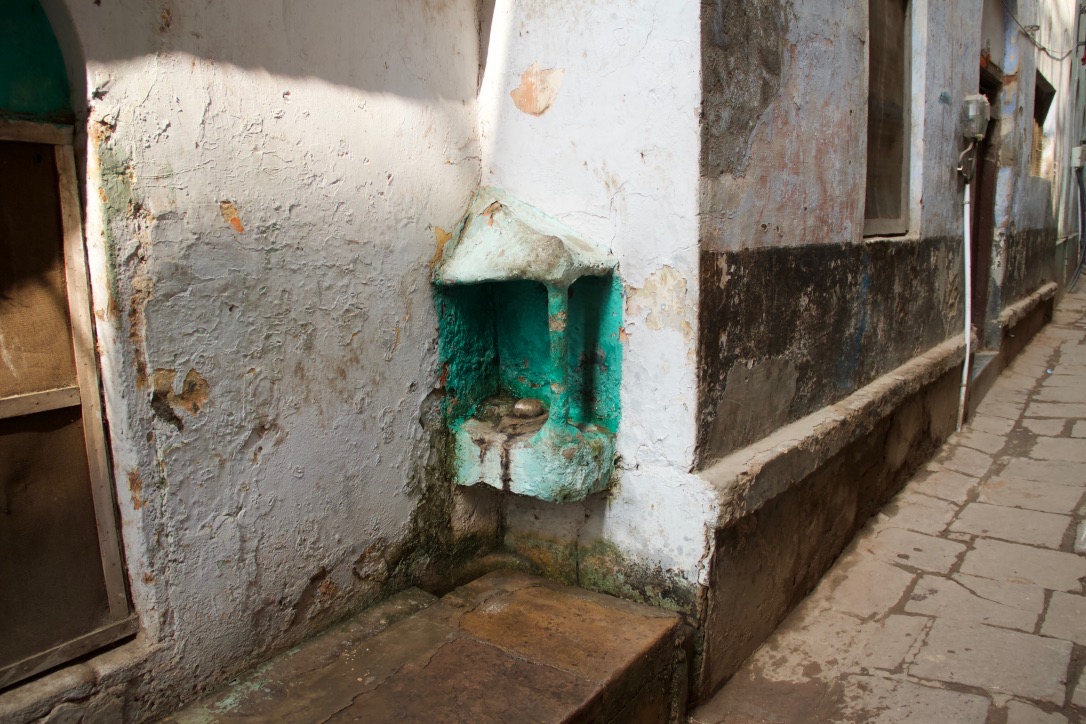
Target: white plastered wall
column 615, row 156
column 263, row 180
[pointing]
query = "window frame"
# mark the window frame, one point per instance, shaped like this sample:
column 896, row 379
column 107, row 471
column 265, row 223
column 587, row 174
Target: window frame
column 87, row 395
column 898, row 226
column 1044, row 95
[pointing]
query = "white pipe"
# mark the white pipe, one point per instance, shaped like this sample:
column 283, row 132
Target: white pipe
column 967, row 256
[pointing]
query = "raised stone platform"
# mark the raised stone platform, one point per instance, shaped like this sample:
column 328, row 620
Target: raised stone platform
column 507, row 647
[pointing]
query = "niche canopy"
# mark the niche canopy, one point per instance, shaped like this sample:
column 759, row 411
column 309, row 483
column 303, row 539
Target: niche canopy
column 510, row 413
column 504, row 239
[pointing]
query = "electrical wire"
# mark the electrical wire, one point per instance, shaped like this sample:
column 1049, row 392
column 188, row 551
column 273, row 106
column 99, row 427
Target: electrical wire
column 1057, row 55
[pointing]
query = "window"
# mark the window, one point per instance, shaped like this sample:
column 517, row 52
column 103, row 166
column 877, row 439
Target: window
column 886, row 209
column 62, row 582
column 1042, row 101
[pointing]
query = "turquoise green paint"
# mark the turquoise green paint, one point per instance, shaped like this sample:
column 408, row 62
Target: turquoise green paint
column 557, row 321
column 523, row 339
column 467, row 347
column 33, row 80
column 562, row 463
column 526, row 308
column 494, row 337
column 595, row 350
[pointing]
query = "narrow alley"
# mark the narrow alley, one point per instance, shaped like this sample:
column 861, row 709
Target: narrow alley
column 962, row 600
column 521, row 361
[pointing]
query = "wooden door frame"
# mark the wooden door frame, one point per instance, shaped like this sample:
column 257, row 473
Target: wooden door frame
column 88, row 395
column 990, row 84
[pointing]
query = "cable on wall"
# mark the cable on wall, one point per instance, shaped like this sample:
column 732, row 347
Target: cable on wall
column 1029, row 31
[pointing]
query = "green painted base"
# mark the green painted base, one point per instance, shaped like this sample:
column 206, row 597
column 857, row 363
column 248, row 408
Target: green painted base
column 560, row 463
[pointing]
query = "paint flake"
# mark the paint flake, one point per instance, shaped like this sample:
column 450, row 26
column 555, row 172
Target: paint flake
column 537, row 90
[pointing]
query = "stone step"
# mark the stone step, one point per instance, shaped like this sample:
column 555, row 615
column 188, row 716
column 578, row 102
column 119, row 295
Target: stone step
column 507, row 647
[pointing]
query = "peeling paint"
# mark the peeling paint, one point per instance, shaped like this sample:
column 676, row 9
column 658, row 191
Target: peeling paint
column 662, row 301
column 230, row 215
column 441, row 237
column 194, row 393
column 166, row 402
column 538, row 89
column 135, row 487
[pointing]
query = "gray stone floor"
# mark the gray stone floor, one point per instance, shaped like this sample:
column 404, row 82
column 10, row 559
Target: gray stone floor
column 963, row 600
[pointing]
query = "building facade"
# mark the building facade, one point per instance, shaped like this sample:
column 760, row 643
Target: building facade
column 267, row 190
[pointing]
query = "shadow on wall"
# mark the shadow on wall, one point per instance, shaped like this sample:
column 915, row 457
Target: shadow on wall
column 359, row 44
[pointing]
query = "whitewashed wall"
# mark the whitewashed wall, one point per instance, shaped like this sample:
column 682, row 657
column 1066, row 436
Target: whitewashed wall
column 616, row 157
column 263, row 183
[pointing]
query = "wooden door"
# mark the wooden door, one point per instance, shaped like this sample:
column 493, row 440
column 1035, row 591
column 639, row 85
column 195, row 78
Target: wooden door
column 62, row 583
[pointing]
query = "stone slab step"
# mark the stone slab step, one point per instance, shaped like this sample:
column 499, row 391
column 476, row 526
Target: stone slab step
column 507, row 647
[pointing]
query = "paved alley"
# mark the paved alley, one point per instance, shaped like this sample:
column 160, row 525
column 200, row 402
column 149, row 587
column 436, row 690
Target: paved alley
column 963, row 600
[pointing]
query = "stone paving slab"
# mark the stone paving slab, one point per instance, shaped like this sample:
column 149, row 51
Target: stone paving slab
column 1001, row 561
column 866, row 586
column 1023, row 596
column 1018, row 525
column 967, row 461
column 891, row 641
column 995, row 659
column 1062, row 410
column 1044, row 427
column 985, row 442
column 1059, row 448
column 1078, row 698
column 950, row 599
column 1061, row 394
column 1030, row 494
column 1019, row 712
column 1066, row 617
column 1061, row 381
column 963, row 599
column 1048, row 471
column 507, row 647
column 909, row 548
column 994, row 425
column 917, row 512
column 945, row 484
column 1006, row 410
column 876, row 699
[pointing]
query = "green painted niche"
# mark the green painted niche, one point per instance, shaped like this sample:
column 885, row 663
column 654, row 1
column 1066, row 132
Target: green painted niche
column 33, row 79
column 529, row 317
column 494, row 340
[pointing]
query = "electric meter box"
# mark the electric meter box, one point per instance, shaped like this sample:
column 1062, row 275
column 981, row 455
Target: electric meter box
column 1078, row 156
column 976, row 112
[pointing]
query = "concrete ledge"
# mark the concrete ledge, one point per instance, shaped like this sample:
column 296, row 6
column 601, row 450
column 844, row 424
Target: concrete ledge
column 748, row 478
column 1015, row 313
column 1016, row 324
